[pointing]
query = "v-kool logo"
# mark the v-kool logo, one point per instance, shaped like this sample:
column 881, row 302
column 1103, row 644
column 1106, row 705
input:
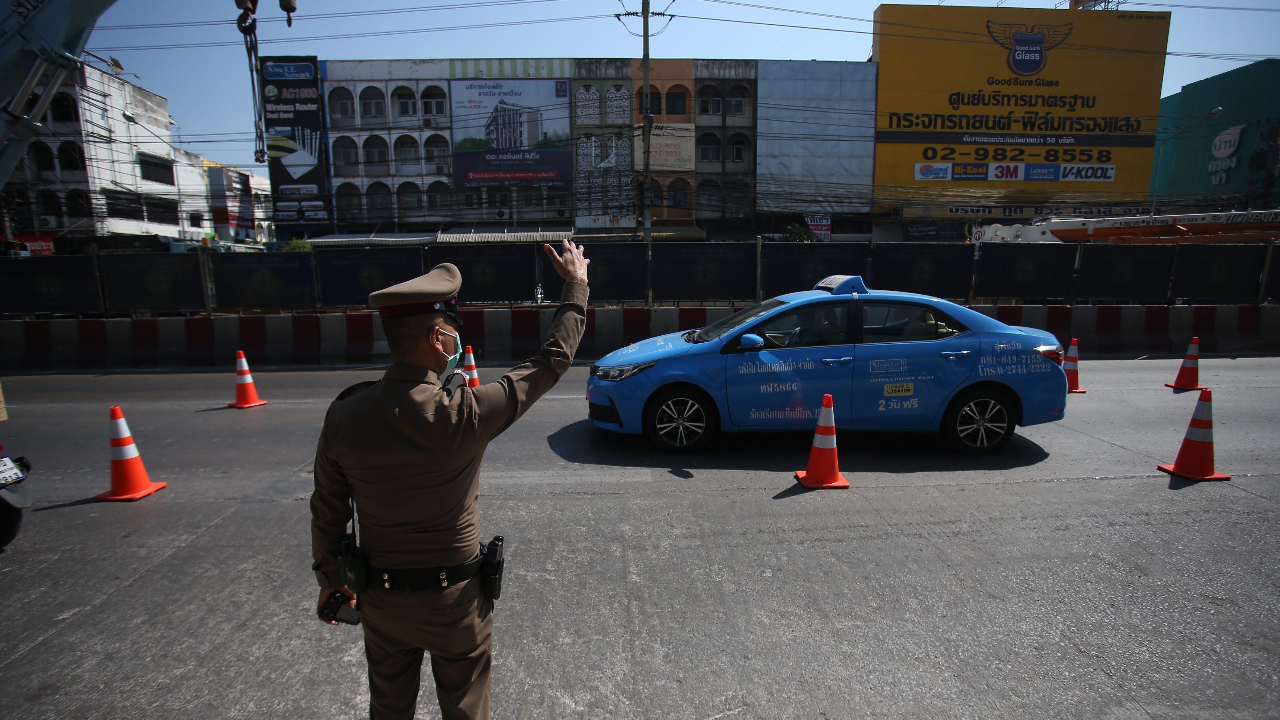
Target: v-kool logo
column 1028, row 46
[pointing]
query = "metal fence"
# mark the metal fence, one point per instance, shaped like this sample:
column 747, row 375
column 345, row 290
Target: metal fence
column 620, row 273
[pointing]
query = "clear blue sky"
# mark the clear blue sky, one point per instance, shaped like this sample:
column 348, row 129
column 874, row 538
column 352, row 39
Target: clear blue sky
column 208, row 88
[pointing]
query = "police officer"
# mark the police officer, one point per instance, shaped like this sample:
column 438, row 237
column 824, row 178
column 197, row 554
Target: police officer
column 408, row 451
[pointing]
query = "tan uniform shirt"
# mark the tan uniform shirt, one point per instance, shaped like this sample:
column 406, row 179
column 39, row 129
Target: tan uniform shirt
column 411, row 452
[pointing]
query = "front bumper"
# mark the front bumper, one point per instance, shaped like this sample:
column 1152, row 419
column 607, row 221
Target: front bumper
column 618, row 406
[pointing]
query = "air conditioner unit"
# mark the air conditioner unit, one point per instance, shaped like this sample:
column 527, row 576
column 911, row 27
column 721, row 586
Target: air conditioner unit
column 428, row 122
column 48, row 222
column 440, row 170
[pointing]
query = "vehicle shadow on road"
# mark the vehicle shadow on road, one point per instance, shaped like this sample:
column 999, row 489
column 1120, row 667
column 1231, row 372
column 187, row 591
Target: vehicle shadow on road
column 879, row 452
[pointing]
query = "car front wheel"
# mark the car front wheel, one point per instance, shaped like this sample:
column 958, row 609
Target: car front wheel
column 681, row 419
column 979, row 421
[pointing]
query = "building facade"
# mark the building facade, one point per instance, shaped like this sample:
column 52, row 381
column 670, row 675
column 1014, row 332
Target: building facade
column 104, row 163
column 1227, row 161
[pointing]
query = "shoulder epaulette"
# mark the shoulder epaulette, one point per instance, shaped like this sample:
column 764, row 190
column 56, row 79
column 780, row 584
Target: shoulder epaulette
column 355, row 389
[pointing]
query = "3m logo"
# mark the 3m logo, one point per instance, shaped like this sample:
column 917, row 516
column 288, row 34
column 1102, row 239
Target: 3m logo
column 899, row 389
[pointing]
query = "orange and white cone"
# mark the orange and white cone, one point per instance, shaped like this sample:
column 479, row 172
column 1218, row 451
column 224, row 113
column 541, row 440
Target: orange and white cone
column 1189, row 374
column 469, row 368
column 1195, row 457
column 1072, row 367
column 246, row 393
column 824, row 466
column 129, row 479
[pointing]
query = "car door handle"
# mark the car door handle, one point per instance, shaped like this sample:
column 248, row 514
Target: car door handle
column 955, row 354
column 836, row 361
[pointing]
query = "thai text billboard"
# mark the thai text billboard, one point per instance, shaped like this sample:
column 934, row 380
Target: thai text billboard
column 511, row 133
column 1015, row 105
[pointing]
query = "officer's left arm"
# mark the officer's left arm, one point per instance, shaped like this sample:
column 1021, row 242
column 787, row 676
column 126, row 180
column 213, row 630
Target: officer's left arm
column 330, row 513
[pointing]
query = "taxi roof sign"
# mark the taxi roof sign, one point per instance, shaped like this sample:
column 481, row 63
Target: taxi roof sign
column 842, row 285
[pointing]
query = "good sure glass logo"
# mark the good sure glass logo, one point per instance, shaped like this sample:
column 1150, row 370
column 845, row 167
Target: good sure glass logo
column 1028, row 46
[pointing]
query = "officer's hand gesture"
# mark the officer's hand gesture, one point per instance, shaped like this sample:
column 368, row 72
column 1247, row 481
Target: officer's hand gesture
column 572, row 265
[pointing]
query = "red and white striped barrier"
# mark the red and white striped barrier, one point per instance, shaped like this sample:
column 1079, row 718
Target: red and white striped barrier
column 502, row 334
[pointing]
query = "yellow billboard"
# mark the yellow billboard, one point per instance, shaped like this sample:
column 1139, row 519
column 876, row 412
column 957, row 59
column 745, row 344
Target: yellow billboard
column 1015, row 106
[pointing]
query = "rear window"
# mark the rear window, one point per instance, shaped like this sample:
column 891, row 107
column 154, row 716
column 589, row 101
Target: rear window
column 896, row 322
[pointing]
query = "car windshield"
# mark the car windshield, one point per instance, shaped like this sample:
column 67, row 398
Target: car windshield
column 728, row 324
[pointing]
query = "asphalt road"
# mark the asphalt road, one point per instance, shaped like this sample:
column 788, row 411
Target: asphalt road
column 1063, row 578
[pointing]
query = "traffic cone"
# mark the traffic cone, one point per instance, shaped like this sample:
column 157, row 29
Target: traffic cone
column 1072, row 367
column 1195, row 457
column 246, row 393
column 1189, row 374
column 129, row 479
column 824, row 466
column 469, row 368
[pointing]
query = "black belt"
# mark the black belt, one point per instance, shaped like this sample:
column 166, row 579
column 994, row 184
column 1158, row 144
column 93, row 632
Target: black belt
column 417, row 579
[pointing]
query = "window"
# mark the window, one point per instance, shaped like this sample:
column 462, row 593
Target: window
column 739, row 151
column 70, row 156
column 678, row 193
column 709, row 148
column 433, row 99
column 348, row 203
column 126, row 206
column 736, row 104
column 78, row 204
column 407, row 105
column 657, row 194
column 709, row 101
column 647, row 100
column 161, row 210
column 375, row 156
column 372, row 103
column 810, row 326
column 346, row 155
column 891, row 322
column 531, row 198
column 42, row 157
column 341, row 104
column 195, row 220
column 676, row 103
column 63, row 108
column 378, row 198
column 155, row 169
column 726, row 325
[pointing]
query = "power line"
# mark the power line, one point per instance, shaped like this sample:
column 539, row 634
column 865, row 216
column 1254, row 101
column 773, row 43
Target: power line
column 327, row 16
column 381, row 33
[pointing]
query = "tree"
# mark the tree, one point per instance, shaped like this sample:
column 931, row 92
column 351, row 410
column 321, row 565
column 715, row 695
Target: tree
column 297, row 246
column 795, row 232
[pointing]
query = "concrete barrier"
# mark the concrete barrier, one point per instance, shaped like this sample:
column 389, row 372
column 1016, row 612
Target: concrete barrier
column 506, row 334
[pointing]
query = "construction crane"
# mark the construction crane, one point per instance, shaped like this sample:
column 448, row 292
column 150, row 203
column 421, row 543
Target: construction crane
column 41, row 42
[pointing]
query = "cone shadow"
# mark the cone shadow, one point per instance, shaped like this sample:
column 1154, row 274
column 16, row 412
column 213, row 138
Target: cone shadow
column 793, row 491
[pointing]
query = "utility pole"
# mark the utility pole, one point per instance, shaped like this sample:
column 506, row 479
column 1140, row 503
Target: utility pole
column 648, row 170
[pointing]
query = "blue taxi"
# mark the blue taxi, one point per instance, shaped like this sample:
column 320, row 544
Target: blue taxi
column 890, row 361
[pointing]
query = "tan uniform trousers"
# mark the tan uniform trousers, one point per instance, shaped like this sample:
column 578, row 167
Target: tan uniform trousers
column 455, row 626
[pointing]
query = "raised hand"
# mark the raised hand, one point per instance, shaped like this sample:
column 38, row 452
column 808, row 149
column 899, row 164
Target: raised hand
column 572, row 265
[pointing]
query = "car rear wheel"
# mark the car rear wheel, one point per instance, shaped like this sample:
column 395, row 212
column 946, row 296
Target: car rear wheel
column 681, row 419
column 979, row 421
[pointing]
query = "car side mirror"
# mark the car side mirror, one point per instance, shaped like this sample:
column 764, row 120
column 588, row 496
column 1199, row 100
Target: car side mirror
column 751, row 342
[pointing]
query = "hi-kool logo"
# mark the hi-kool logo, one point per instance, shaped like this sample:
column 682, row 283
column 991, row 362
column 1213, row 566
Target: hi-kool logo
column 1028, row 46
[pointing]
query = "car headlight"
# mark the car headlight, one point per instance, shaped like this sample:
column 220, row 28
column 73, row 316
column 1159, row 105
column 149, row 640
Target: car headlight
column 619, row 372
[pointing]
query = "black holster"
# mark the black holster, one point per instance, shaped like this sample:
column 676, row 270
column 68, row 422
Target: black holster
column 352, row 565
column 492, row 567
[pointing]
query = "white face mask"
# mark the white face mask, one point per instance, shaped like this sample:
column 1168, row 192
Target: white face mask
column 457, row 351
